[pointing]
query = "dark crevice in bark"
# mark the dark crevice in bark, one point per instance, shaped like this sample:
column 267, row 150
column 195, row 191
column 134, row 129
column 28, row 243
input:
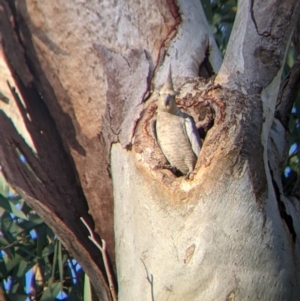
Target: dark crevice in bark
column 11, row 5
column 282, row 209
column 253, row 19
column 296, row 36
column 205, row 69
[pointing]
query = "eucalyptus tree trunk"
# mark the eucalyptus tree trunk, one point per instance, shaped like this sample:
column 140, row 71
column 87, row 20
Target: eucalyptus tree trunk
column 82, row 107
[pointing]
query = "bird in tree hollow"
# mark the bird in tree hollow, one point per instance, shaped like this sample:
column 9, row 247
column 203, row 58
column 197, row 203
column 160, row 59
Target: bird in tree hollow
column 176, row 131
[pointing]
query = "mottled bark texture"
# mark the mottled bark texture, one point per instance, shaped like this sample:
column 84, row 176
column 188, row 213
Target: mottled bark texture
column 82, row 110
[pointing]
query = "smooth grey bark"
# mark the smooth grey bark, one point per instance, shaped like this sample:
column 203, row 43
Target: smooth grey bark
column 228, row 234
column 94, row 69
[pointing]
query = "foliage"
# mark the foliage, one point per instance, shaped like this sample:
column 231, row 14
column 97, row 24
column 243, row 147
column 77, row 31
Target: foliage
column 34, row 265
column 291, row 176
column 220, row 15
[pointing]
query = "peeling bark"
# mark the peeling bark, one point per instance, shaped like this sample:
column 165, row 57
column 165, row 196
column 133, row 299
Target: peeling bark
column 87, row 74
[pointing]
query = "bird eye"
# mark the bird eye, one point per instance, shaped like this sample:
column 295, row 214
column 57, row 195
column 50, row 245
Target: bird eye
column 167, row 99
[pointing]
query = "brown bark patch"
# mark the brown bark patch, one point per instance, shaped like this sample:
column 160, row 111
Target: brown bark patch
column 232, row 133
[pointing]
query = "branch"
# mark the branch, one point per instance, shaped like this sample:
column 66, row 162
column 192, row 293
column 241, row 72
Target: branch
column 14, row 243
column 258, row 42
column 288, row 93
column 105, row 259
column 50, row 175
column 47, row 201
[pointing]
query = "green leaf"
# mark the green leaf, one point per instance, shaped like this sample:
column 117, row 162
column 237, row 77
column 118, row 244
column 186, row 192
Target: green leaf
column 42, row 241
column 51, row 292
column 32, row 222
column 8, row 228
column 87, row 291
column 16, row 199
column 11, row 263
column 24, row 251
column 4, row 188
column 48, row 250
column 3, row 270
column 17, row 297
column 18, row 286
column 10, row 207
column 21, row 269
column 60, row 261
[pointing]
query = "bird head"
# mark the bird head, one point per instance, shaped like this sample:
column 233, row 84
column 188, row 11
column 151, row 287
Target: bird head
column 166, row 100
